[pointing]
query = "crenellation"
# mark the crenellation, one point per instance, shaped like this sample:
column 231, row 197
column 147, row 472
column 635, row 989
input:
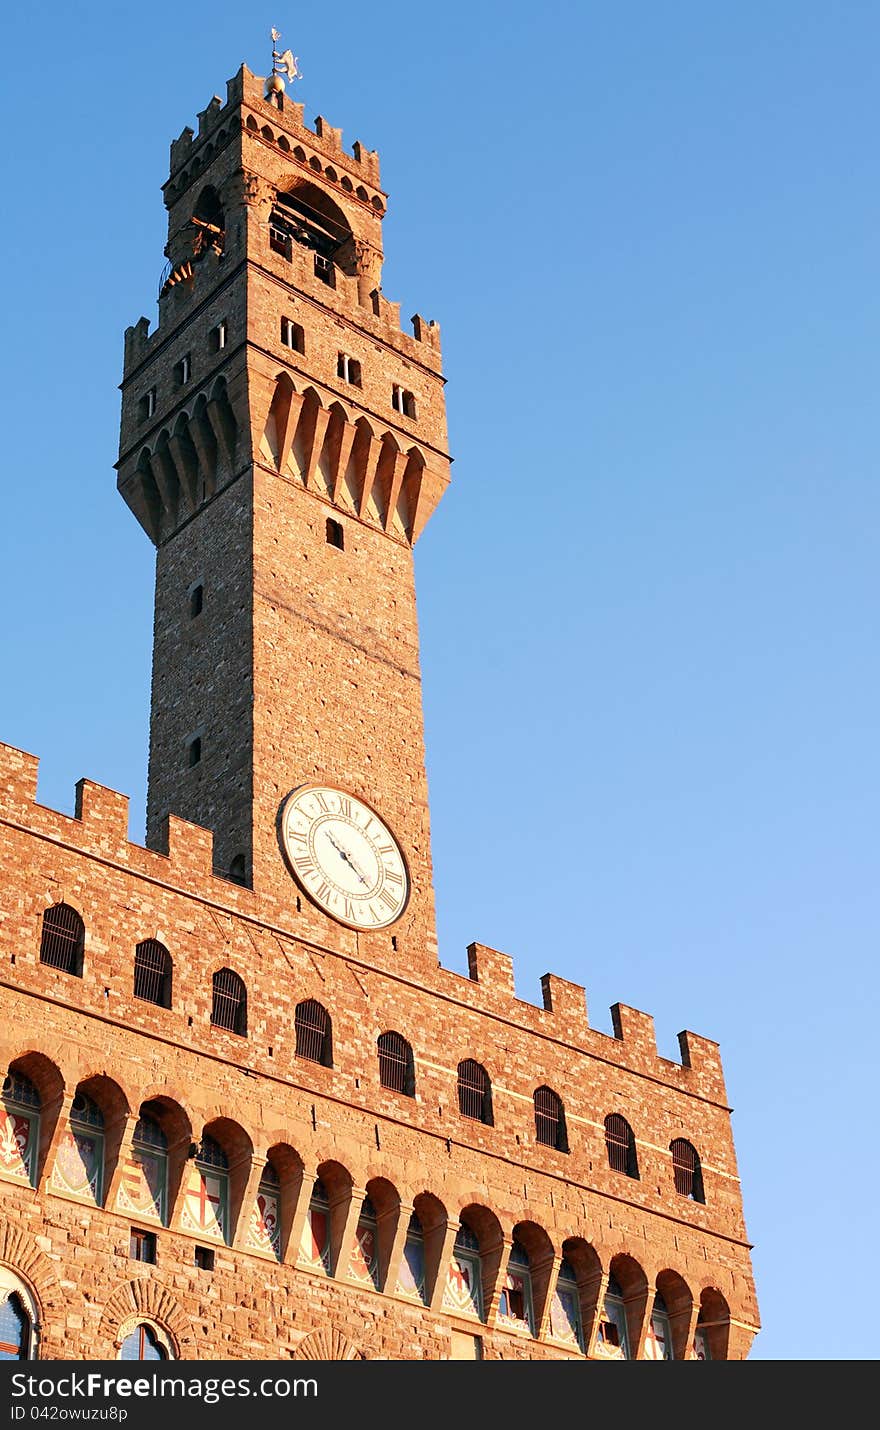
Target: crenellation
column 208, row 116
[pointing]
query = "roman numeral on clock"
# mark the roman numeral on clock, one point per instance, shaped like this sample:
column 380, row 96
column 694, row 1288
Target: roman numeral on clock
column 388, row 899
column 392, row 876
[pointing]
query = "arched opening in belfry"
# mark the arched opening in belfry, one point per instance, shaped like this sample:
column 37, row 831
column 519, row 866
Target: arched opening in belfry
column 209, row 223
column 306, row 215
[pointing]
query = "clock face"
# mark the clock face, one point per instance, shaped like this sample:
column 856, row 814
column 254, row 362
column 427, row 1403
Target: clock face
column 344, row 857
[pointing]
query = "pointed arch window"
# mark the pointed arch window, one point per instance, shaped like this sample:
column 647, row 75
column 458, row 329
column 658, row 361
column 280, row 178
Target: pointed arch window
column 143, row 1190
column 550, row 1128
column 686, row 1170
column 79, row 1160
column 152, row 973
column 620, row 1144
column 515, row 1303
column 612, row 1337
column 565, row 1309
column 396, row 1070
column 314, row 1033
column 19, row 1128
column 229, row 1002
column 63, row 939
column 474, row 1092
column 206, row 1195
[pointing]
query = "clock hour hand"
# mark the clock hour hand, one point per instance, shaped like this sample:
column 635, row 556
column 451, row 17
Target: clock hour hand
column 344, row 854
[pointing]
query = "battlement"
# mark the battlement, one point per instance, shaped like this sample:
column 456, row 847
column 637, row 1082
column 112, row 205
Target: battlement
column 99, row 827
column 248, row 90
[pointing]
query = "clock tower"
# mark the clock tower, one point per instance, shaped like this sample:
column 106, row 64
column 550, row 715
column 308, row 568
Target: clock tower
column 283, row 445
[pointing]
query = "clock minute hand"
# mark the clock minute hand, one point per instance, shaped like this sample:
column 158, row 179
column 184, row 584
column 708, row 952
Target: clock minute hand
column 344, row 854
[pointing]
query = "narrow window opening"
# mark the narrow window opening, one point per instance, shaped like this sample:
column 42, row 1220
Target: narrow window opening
column 292, row 335
column 204, row 1258
column 403, row 401
column 183, row 370
column 349, row 369
column 194, row 752
column 238, row 870
column 196, row 601
column 147, row 405
column 218, row 336
column 142, row 1246
column 324, row 270
column 335, row 534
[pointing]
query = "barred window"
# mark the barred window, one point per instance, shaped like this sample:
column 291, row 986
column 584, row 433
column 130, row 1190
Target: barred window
column 229, row 1004
column 396, row 1064
column 687, row 1170
column 62, row 940
column 620, row 1143
column 474, row 1092
column 152, row 973
column 550, row 1119
column 314, row 1033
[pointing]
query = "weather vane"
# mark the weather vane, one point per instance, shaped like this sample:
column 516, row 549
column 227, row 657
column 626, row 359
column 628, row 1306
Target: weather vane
column 286, row 63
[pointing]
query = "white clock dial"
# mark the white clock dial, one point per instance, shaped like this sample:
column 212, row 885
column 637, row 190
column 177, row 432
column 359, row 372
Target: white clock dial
column 344, row 857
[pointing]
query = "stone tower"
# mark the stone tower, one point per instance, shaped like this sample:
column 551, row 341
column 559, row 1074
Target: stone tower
column 283, row 444
column 245, row 1114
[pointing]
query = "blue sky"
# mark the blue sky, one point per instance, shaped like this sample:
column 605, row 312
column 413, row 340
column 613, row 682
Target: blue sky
column 648, row 602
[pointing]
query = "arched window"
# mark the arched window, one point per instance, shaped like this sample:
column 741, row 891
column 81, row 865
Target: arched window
column 209, row 223
column 396, row 1064
column 19, row 1128
column 314, row 1033
column 18, row 1318
column 143, row 1344
column 620, row 1143
column 143, row 1190
column 79, row 1160
column 612, row 1339
column 152, row 973
column 565, row 1309
column 363, row 1262
column 411, row 1274
column 63, row 939
column 550, row 1119
column 687, row 1170
column 463, row 1291
column 474, row 1092
column 15, row 1326
column 206, row 1196
column 658, row 1341
column 314, row 1248
column 515, row 1303
column 229, row 1004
